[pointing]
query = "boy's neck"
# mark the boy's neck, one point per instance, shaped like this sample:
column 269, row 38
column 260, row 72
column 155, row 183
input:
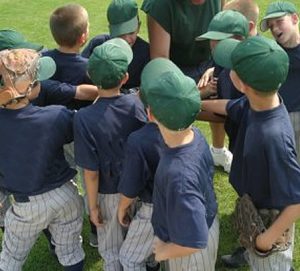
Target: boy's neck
column 293, row 42
column 69, row 50
column 107, row 93
column 263, row 103
column 175, row 139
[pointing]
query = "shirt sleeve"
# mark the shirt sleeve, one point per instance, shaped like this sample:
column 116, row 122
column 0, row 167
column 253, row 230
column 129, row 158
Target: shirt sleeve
column 160, row 11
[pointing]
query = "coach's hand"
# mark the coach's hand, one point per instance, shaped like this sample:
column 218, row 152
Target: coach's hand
column 96, row 217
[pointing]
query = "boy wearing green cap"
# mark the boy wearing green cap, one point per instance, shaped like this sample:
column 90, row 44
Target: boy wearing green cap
column 184, row 204
column 100, row 133
column 283, row 21
column 225, row 24
column 123, row 19
column 42, row 187
column 264, row 162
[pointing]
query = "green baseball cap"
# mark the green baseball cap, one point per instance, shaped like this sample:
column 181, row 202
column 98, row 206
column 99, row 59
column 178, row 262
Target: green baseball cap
column 109, row 63
column 174, row 98
column 11, row 39
column 122, row 16
column 259, row 62
column 276, row 10
column 226, row 24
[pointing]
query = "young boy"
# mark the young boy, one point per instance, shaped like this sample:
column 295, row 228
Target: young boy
column 69, row 26
column 283, row 21
column 122, row 16
column 142, row 153
column 225, row 24
column 264, row 162
column 42, row 188
column 184, row 212
column 101, row 131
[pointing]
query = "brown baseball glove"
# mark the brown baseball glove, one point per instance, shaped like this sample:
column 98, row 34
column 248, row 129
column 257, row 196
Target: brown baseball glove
column 250, row 223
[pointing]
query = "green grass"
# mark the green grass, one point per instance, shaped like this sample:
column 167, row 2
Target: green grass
column 31, row 18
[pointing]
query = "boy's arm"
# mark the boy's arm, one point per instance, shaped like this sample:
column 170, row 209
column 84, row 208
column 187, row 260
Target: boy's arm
column 91, row 179
column 211, row 117
column 164, row 251
column 123, row 208
column 287, row 217
column 215, row 106
column 86, row 92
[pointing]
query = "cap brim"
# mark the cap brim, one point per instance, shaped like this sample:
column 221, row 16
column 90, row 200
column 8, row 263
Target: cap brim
column 46, row 68
column 214, row 35
column 223, row 51
column 124, row 46
column 130, row 26
column 263, row 24
column 28, row 45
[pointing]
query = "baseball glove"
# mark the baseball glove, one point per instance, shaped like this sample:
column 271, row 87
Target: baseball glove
column 250, row 223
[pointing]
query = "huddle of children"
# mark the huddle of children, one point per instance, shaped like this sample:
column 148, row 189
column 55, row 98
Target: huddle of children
column 148, row 172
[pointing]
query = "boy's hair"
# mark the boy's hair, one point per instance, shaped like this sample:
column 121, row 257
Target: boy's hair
column 109, row 62
column 259, row 62
column 68, row 23
column 249, row 8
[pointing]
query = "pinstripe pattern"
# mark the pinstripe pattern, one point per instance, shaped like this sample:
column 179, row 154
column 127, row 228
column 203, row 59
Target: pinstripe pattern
column 281, row 261
column 4, row 205
column 203, row 260
column 60, row 210
column 110, row 235
column 295, row 120
column 138, row 244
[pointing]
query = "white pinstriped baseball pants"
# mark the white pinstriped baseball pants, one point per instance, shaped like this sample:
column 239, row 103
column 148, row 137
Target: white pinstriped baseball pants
column 4, row 205
column 111, row 234
column 204, row 259
column 280, row 261
column 138, row 245
column 61, row 210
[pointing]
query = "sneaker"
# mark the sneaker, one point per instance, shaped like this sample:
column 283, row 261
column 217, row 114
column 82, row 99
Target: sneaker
column 93, row 240
column 153, row 268
column 236, row 260
column 222, row 158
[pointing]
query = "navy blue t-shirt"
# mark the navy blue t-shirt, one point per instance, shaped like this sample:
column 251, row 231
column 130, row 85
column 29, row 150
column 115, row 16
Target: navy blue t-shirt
column 71, row 68
column 142, row 153
column 100, row 134
column 264, row 159
column 183, row 197
column 31, row 148
column 55, row 92
column 289, row 90
column 141, row 56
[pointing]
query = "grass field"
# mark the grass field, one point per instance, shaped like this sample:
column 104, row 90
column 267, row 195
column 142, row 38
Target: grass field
column 31, row 18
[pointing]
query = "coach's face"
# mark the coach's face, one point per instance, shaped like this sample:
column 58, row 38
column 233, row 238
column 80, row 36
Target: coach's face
column 198, row 2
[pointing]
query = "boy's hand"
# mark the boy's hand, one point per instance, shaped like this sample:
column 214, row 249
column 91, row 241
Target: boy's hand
column 124, row 217
column 159, row 247
column 262, row 243
column 96, row 217
column 206, row 77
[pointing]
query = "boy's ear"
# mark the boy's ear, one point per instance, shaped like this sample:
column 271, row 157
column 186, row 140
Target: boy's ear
column 83, row 38
column 295, row 18
column 125, row 79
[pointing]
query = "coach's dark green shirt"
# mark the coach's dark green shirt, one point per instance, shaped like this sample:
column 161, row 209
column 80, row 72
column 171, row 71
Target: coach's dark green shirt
column 184, row 22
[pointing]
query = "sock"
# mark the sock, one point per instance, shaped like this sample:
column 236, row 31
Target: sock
column 74, row 267
column 217, row 150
